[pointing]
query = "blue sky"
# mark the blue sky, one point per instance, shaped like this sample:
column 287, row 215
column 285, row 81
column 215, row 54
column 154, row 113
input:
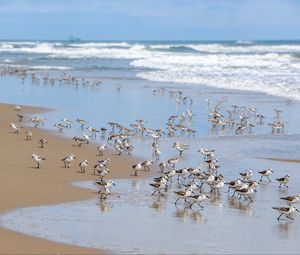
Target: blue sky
column 150, row 19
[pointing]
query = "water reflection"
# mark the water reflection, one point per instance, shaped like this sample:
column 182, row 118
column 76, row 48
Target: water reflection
column 154, row 220
column 243, row 206
column 105, row 206
column 284, row 230
column 159, row 204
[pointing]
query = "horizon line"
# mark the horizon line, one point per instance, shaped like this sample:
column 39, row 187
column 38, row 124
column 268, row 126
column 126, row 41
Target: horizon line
column 150, row 40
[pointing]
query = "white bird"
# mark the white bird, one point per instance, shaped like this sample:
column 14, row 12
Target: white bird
column 60, row 126
column 286, row 211
column 16, row 127
column 68, row 159
column 38, row 159
column 146, row 164
column 101, row 149
column 86, row 137
column 83, row 165
column 28, row 136
column 246, row 175
column 67, row 122
column 266, row 173
column 103, row 184
column 180, row 147
column 198, row 199
column 18, row 108
column 42, row 142
column 137, row 167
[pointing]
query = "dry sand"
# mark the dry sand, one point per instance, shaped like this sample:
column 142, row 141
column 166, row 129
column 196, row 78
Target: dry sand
column 23, row 185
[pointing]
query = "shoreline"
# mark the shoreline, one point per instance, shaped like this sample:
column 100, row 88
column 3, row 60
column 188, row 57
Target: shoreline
column 23, row 185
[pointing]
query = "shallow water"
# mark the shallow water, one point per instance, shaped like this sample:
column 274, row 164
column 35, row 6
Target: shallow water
column 133, row 221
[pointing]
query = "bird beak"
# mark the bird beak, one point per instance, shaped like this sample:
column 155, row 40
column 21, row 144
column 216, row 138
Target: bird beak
column 114, row 184
column 297, row 210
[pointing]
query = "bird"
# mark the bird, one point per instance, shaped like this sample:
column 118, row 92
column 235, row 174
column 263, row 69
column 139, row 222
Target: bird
column 16, row 127
column 183, row 194
column 28, row 136
column 42, row 141
column 246, row 175
column 286, row 211
column 83, row 165
column 104, row 185
column 137, row 167
column 246, row 192
column 180, row 147
column 101, row 149
column 146, row 164
column 38, row 159
column 162, row 166
column 173, row 161
column 18, row 108
column 198, row 199
column 158, row 186
column 291, row 199
column 68, row 159
column 266, row 173
column 236, row 184
column 284, row 180
column 81, row 122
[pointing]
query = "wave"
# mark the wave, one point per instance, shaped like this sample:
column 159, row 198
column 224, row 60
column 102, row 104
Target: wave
column 271, row 87
column 271, row 68
column 101, row 49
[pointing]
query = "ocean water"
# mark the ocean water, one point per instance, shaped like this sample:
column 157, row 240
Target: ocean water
column 271, row 67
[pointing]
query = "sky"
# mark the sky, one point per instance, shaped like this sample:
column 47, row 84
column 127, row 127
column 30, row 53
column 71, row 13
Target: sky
column 150, row 19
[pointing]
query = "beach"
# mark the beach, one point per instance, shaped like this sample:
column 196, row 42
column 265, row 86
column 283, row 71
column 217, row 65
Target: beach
column 128, row 83
column 23, row 185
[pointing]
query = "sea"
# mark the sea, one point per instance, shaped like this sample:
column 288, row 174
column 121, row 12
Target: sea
column 271, row 67
column 141, row 80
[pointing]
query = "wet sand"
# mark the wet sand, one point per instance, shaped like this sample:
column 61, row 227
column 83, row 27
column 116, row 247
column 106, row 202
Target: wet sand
column 284, row 160
column 23, row 185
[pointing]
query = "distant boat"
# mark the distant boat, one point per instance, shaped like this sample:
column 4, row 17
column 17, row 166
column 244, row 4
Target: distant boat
column 247, row 42
column 72, row 38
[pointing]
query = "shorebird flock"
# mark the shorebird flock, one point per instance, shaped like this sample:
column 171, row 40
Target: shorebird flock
column 38, row 77
column 194, row 185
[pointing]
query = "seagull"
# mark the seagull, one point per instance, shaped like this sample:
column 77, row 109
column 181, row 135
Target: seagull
column 37, row 159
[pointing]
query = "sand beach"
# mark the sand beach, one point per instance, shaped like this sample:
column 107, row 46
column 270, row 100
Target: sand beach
column 23, row 185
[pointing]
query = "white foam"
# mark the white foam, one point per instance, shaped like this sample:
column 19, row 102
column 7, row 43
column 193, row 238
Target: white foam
column 273, row 69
